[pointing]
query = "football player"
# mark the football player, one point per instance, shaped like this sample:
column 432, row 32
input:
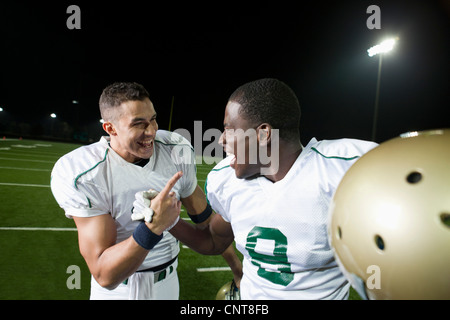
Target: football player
column 96, row 186
column 276, row 211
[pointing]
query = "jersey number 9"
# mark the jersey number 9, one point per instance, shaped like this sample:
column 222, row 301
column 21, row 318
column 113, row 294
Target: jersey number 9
column 278, row 261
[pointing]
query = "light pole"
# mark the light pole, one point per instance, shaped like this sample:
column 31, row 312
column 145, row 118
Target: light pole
column 171, row 113
column 379, row 49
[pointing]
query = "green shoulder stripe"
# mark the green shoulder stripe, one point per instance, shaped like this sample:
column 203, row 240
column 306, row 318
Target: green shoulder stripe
column 78, row 177
column 334, row 157
column 206, row 181
column 206, row 192
column 175, row 144
column 220, row 168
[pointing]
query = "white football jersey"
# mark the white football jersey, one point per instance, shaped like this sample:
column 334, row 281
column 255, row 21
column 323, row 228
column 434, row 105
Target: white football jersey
column 281, row 228
column 94, row 180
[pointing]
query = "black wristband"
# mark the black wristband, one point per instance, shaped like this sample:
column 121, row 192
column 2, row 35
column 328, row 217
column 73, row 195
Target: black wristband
column 199, row 218
column 145, row 237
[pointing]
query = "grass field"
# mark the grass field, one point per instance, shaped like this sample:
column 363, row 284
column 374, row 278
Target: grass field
column 38, row 243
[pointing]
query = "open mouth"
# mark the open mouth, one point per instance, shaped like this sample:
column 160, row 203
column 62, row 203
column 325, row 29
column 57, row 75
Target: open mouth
column 233, row 159
column 147, row 144
column 233, row 162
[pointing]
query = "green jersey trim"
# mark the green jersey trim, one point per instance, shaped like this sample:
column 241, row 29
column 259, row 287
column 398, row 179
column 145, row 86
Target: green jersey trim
column 334, row 157
column 176, row 144
column 83, row 173
column 206, row 182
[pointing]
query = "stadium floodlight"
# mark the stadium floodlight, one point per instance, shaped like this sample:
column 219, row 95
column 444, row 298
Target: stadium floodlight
column 380, row 49
column 383, row 47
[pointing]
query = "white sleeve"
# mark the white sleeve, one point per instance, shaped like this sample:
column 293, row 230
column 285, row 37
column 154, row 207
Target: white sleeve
column 77, row 197
column 184, row 157
column 215, row 190
column 341, row 154
column 214, row 202
column 189, row 179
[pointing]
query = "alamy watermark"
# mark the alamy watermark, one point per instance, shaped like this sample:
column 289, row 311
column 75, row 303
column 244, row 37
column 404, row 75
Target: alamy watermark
column 374, row 280
column 74, row 20
column 74, row 280
column 374, row 20
column 248, row 146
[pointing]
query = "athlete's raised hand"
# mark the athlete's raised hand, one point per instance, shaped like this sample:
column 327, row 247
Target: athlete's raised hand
column 166, row 207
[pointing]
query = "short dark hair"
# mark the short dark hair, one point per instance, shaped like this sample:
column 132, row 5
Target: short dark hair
column 117, row 93
column 270, row 101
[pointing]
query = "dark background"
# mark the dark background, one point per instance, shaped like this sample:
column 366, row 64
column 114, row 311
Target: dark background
column 200, row 52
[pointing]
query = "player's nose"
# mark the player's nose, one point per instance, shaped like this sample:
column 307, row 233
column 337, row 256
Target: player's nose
column 151, row 129
column 222, row 140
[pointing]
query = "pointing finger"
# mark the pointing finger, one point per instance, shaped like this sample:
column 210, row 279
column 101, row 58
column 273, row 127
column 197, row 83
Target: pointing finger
column 170, row 184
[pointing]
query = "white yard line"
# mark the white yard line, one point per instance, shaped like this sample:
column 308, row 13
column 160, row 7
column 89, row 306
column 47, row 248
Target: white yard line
column 29, row 169
column 24, row 185
column 213, row 269
column 36, row 229
column 27, row 153
column 27, row 160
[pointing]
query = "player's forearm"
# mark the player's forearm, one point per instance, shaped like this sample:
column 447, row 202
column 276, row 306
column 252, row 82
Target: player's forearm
column 118, row 262
column 198, row 238
column 233, row 261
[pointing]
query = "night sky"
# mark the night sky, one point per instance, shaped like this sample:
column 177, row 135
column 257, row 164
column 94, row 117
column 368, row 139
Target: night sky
column 200, row 52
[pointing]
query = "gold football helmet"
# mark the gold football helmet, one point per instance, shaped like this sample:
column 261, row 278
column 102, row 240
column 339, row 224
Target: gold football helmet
column 390, row 219
column 228, row 291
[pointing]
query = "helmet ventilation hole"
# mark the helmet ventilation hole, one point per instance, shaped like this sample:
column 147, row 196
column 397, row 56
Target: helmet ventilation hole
column 379, row 242
column 414, row 177
column 445, row 218
column 339, row 233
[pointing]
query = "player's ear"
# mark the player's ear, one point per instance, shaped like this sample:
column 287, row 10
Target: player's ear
column 264, row 133
column 109, row 128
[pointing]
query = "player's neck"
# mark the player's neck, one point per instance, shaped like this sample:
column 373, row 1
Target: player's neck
column 288, row 154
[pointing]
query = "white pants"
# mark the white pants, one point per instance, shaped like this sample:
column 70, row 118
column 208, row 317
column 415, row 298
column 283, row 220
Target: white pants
column 142, row 286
